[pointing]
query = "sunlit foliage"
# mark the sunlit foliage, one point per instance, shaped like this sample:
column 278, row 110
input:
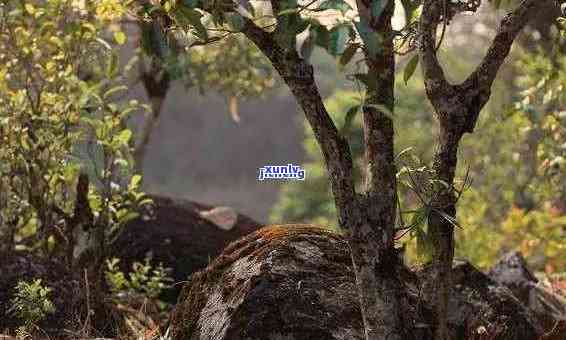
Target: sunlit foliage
column 60, row 114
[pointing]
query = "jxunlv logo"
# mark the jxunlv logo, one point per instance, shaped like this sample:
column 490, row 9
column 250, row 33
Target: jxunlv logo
column 288, row 171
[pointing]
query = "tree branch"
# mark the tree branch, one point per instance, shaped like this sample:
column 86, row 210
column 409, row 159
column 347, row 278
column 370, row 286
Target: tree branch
column 485, row 73
column 298, row 75
column 474, row 92
column 434, row 78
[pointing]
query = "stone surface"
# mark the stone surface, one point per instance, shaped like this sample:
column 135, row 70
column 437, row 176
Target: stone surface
column 549, row 308
column 296, row 282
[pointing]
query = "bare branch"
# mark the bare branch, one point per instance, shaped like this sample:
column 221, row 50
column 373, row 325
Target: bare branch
column 435, row 80
column 458, row 106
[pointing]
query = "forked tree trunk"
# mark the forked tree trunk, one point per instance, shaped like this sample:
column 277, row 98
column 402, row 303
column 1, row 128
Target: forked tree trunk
column 457, row 108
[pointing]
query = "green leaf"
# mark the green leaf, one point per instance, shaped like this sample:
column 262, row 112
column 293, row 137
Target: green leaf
column 167, row 6
column 321, row 35
column 339, row 5
column 187, row 17
column 337, row 39
column 120, row 37
column 113, row 65
column 348, row 54
column 114, row 90
column 410, row 7
column 377, row 7
column 419, row 218
column 124, row 137
column 410, row 68
column 235, row 21
column 29, row 8
column 135, row 182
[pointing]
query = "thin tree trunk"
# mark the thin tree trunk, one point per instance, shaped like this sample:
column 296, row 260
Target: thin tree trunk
column 441, row 229
column 148, row 127
column 156, row 81
column 457, row 108
column 372, row 243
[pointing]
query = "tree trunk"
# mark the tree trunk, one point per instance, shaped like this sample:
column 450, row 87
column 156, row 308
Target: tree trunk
column 441, row 229
column 372, row 242
column 156, row 82
column 149, row 125
column 457, row 108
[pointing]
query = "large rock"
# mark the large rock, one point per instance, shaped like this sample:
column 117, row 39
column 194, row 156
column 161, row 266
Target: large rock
column 181, row 234
column 296, row 282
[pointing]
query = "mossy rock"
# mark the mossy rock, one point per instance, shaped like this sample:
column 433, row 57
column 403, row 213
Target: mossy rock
column 296, row 282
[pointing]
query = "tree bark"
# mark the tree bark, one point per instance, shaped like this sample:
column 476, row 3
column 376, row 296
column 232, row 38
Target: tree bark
column 380, row 198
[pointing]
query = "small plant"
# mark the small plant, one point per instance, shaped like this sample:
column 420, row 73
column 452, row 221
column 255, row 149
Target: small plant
column 144, row 280
column 31, row 304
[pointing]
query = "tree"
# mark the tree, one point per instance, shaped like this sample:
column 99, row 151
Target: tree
column 457, row 108
column 65, row 162
column 368, row 216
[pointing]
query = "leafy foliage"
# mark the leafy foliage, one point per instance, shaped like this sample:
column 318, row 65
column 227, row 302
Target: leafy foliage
column 31, row 304
column 204, row 52
column 60, row 114
column 144, row 280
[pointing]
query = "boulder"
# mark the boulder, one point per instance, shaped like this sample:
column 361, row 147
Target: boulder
column 296, row 282
column 181, row 234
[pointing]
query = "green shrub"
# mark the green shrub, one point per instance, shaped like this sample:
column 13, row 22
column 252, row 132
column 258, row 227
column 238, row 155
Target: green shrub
column 31, row 304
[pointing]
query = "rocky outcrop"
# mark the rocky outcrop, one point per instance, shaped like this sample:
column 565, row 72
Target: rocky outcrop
column 549, row 309
column 181, row 234
column 296, row 282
